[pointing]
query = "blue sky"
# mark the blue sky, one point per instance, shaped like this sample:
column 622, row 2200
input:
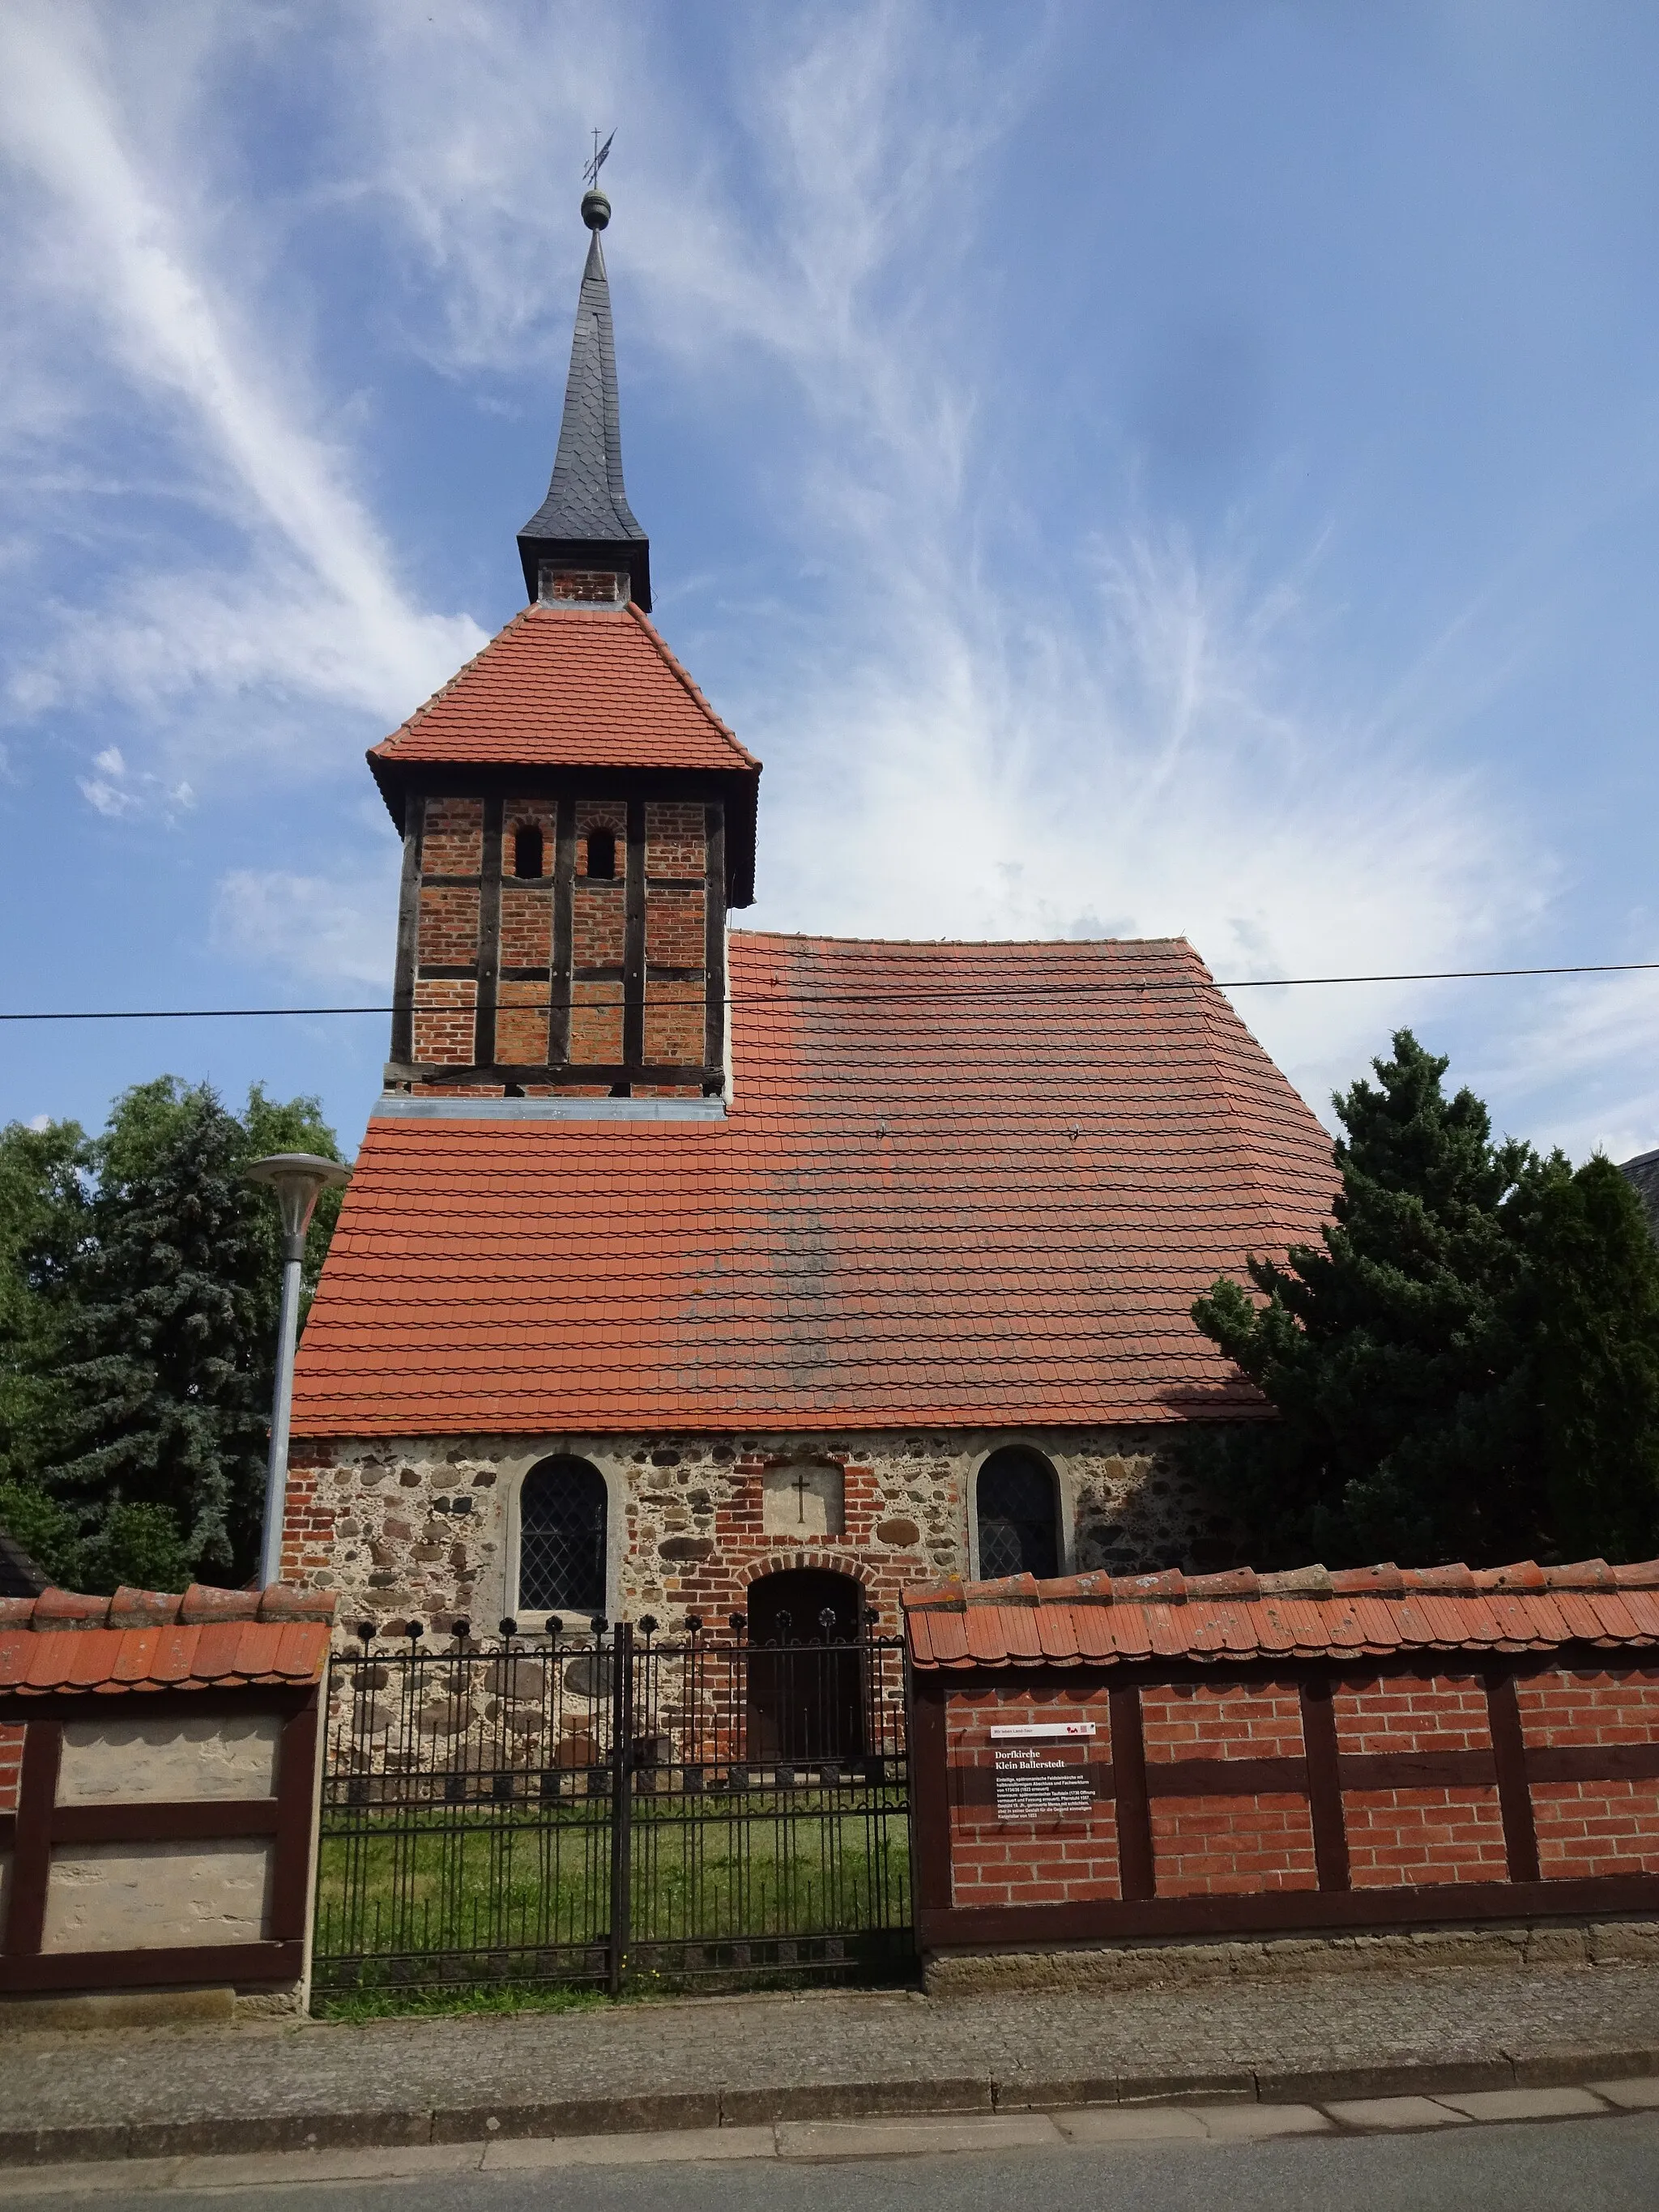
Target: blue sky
column 1125, row 469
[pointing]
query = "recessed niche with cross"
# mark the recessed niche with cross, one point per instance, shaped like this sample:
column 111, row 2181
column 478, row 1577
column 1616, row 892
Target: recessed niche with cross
column 804, row 1499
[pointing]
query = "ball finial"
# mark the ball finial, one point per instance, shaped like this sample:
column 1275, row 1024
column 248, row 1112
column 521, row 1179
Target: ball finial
column 596, row 211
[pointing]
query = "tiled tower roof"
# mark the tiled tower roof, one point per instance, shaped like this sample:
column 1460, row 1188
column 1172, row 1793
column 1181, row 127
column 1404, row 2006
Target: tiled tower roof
column 569, row 687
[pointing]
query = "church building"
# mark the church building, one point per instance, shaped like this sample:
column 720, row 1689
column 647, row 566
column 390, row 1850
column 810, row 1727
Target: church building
column 691, row 1271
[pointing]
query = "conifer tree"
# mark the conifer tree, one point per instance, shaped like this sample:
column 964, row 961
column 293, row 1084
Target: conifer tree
column 139, row 1280
column 165, row 1369
column 1468, row 1366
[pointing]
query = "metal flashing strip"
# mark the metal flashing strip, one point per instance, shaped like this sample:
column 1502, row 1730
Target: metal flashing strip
column 400, row 1107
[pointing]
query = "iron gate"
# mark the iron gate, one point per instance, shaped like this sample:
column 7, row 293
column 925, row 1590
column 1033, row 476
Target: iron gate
column 612, row 1809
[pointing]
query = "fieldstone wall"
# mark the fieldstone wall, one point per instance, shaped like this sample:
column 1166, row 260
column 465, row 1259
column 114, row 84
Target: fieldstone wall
column 426, row 1530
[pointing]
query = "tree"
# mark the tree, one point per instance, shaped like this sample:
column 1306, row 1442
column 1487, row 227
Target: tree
column 43, row 1215
column 1469, row 1366
column 1587, row 1311
column 146, row 1284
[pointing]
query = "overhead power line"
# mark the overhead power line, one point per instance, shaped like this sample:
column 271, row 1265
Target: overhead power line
column 1092, row 987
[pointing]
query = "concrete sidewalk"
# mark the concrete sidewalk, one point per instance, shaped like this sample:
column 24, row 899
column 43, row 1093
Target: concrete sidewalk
column 815, row 2142
column 747, row 2062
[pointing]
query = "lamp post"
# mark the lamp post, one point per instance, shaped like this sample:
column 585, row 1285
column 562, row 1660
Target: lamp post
column 297, row 1178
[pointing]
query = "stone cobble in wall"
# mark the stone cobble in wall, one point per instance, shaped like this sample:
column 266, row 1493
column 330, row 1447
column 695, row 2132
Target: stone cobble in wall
column 421, row 1529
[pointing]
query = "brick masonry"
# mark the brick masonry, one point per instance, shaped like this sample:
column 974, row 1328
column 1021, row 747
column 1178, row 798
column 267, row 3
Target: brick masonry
column 1593, row 1827
column 1213, row 1844
column 11, row 1765
column 1411, row 1836
column 426, row 1530
column 452, row 904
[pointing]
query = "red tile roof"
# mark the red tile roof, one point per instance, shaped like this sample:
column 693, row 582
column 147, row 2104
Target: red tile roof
column 568, row 688
column 147, row 1640
column 957, row 1184
column 1355, row 1613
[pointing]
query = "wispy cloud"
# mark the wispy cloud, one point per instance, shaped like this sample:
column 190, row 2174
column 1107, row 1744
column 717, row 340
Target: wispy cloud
column 1175, row 741
column 309, row 605
column 951, row 752
column 330, row 929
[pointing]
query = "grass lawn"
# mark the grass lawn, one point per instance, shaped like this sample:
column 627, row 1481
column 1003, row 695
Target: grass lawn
column 417, row 1909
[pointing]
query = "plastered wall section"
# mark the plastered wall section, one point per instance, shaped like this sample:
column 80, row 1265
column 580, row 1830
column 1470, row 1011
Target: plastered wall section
column 126, row 1897
column 426, row 1530
column 121, row 1762
column 132, row 1896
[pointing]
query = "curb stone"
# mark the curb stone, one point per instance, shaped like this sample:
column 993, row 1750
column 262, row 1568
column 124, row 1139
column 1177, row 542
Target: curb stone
column 851, row 2100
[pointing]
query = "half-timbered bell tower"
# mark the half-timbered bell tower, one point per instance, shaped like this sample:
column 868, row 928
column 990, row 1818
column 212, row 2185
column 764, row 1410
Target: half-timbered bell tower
column 577, row 822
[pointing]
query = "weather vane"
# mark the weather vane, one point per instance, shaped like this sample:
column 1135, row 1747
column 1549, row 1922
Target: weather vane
column 591, row 173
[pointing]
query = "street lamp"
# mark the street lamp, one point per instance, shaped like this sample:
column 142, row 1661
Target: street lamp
column 297, row 1178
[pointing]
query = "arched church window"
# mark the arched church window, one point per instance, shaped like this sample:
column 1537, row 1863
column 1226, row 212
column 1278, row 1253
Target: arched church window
column 1017, row 1505
column 527, row 850
column 601, row 854
column 561, row 1538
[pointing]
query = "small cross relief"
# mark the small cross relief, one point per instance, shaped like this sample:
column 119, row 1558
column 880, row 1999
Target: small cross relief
column 803, row 1500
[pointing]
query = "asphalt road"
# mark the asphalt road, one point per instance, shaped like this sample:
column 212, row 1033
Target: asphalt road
column 1608, row 2165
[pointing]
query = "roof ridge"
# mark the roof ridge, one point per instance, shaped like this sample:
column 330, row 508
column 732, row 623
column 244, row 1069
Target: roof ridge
column 54, row 1610
column 1315, row 1583
column 672, row 662
column 973, row 943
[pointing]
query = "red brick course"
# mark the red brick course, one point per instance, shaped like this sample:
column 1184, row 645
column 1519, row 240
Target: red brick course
column 445, row 1023
column 1218, row 1846
column 1060, row 1861
column 675, row 1014
column 521, row 1016
column 452, row 842
column 596, row 1024
column 526, row 925
column 11, row 1765
column 674, row 927
column 1260, row 1841
column 1594, row 1827
column 676, row 841
column 743, row 1549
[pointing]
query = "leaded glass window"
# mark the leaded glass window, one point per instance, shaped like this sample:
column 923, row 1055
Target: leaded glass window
column 1018, row 1520
column 562, row 1532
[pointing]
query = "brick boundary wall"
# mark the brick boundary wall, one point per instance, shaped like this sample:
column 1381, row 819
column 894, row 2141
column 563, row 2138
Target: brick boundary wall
column 160, row 1758
column 1279, row 1796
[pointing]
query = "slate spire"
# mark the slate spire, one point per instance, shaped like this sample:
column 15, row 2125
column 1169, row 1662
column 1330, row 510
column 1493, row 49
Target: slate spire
column 585, row 524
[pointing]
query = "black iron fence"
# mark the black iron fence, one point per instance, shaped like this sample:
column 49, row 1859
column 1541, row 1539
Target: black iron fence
column 612, row 1809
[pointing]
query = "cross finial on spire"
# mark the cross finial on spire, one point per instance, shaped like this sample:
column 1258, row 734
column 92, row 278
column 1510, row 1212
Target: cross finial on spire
column 601, row 155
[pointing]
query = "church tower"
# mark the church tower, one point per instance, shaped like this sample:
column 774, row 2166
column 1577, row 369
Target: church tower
column 577, row 822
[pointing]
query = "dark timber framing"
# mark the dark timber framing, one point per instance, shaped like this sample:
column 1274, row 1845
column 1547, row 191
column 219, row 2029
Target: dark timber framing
column 408, row 927
column 720, row 794
column 1131, row 1782
column 490, row 932
column 564, row 926
column 714, row 958
column 634, row 937
column 41, row 1823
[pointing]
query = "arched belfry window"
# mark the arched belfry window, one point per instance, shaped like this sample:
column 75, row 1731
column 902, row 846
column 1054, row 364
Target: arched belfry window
column 528, row 851
column 561, row 1538
column 1017, row 1507
column 601, row 854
